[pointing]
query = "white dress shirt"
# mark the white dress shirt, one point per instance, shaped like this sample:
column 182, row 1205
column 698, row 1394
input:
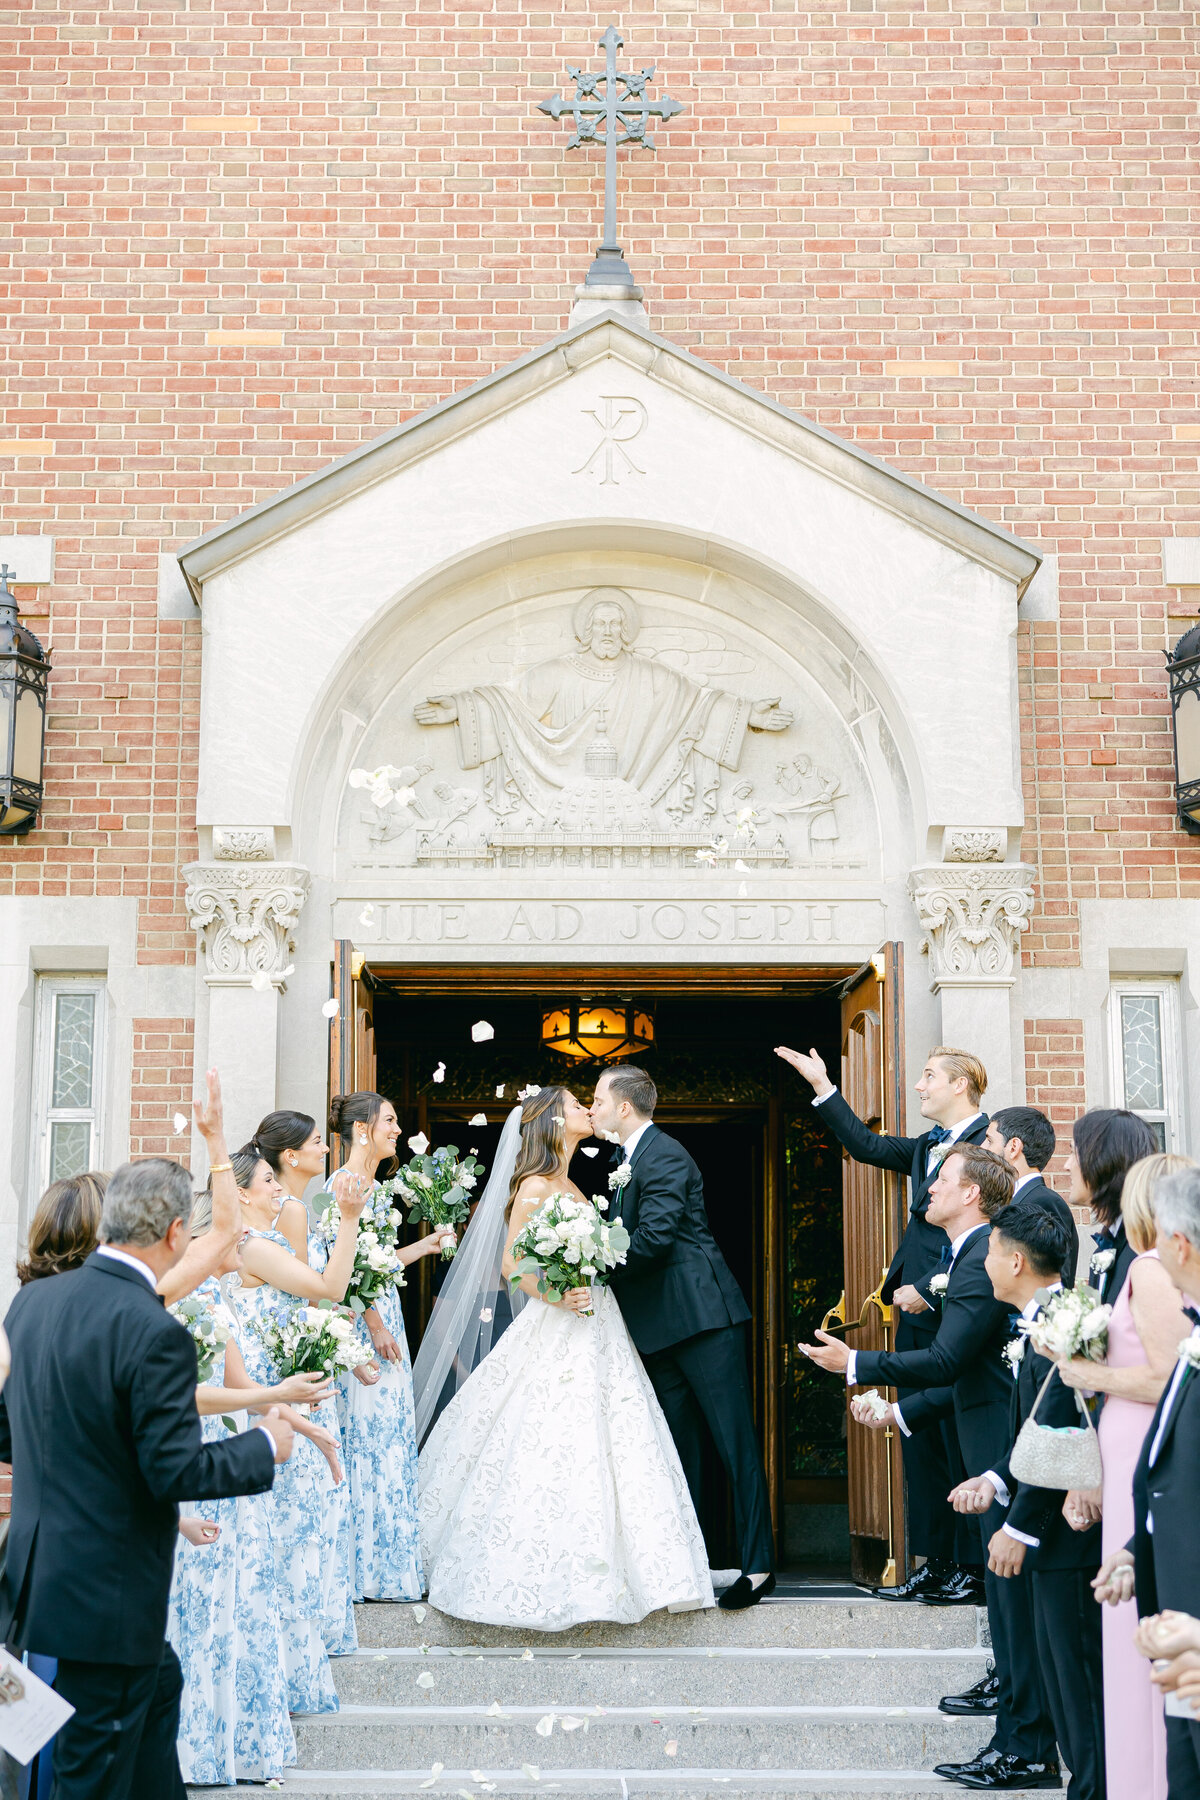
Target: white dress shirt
column 634, row 1139
column 955, row 1247
column 131, row 1262
column 1024, row 1180
column 1028, row 1311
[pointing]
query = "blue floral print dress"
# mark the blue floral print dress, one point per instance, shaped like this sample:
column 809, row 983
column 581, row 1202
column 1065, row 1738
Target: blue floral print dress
column 379, row 1437
column 310, row 1525
column 225, row 1626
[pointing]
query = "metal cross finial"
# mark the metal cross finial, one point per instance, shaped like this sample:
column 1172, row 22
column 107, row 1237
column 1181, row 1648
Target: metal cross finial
column 618, row 103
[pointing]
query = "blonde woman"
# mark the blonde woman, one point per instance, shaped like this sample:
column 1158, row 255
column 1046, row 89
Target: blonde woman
column 1143, row 1345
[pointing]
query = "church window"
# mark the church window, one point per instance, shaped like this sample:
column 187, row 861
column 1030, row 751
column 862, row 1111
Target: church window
column 1145, row 1055
column 68, row 1065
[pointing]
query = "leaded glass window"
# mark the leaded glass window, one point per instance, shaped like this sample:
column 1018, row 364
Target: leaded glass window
column 68, row 1073
column 1146, row 1056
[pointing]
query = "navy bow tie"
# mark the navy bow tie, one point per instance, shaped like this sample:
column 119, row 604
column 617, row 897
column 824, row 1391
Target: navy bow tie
column 947, row 1256
column 618, row 1155
column 1193, row 1314
column 937, row 1135
column 1105, row 1240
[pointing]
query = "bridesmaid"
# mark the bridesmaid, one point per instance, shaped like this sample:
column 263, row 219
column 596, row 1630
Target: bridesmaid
column 1143, row 1344
column 311, row 1514
column 378, row 1423
column 224, row 1611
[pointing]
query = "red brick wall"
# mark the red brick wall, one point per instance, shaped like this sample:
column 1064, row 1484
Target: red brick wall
column 1054, row 1082
column 982, row 271
column 162, row 1086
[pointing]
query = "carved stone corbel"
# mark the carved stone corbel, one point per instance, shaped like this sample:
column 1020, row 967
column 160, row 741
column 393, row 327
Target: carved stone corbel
column 973, row 914
column 245, row 913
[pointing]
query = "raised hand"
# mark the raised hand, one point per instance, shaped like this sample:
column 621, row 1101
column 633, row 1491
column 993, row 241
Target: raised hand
column 209, row 1113
column 351, row 1192
column 830, row 1354
column 811, row 1067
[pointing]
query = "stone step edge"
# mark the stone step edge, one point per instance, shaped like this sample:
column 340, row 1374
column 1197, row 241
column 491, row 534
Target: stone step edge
column 685, row 1652
column 408, row 1715
column 621, row 1782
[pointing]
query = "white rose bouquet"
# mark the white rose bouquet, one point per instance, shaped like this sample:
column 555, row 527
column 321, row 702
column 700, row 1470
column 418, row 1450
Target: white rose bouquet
column 376, row 1263
column 205, row 1330
column 438, row 1188
column 567, row 1243
column 1073, row 1323
column 318, row 1337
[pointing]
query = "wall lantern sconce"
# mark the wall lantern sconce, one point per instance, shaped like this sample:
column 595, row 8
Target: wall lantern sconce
column 598, row 1030
column 1183, row 672
column 24, row 673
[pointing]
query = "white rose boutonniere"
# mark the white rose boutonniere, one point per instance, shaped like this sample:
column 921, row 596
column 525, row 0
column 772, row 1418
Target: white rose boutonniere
column 939, row 1283
column 619, row 1177
column 1102, row 1262
column 1189, row 1349
column 1014, row 1352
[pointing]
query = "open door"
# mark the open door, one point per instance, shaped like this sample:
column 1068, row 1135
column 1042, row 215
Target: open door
column 873, row 1084
column 351, row 1030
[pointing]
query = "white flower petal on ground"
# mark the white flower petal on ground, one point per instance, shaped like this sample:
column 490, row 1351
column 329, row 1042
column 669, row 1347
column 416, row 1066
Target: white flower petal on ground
column 479, row 1119
column 425, row 1679
column 260, row 981
column 741, row 867
column 434, row 1772
column 419, row 1144
column 671, row 1747
column 495, row 1710
column 439, row 1074
column 590, row 1150
column 569, row 1722
column 528, row 1656
column 330, row 1009
column 419, row 1614
column 545, row 1725
column 532, row 1770
column 482, row 1032
column 179, row 1122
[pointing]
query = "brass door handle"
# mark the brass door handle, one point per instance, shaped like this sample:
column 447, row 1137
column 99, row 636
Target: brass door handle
column 876, row 1299
column 836, row 1314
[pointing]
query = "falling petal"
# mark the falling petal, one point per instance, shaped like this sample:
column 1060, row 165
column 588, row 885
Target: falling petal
column 500, row 1091
column 532, row 1770
column 418, row 1614
column 671, row 1747
column 404, row 796
column 528, row 1093
column 590, row 1150
column 367, row 915
column 481, row 1031
column 330, row 1009
column 439, row 1074
column 425, row 1679
column 612, row 1136
column 419, row 1144
column 742, row 890
column 545, row 1725
column 260, row 981
column 485, row 1315
column 742, row 868
column 179, row 1122
column 479, row 1119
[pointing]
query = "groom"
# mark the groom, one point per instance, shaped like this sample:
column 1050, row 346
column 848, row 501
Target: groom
column 685, row 1313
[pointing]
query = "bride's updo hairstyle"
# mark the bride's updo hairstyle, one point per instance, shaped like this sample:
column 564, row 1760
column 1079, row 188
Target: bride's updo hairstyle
column 348, row 1110
column 282, row 1131
column 542, row 1141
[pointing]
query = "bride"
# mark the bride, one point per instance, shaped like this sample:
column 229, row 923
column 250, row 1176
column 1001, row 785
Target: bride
column 551, row 1492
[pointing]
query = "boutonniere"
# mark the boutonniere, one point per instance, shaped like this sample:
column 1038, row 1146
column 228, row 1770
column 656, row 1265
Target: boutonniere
column 1189, row 1349
column 937, row 1155
column 1102, row 1262
column 619, row 1177
column 1014, row 1352
column 939, row 1283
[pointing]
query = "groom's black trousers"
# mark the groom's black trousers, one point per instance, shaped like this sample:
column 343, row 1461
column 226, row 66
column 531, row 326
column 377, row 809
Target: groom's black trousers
column 704, row 1381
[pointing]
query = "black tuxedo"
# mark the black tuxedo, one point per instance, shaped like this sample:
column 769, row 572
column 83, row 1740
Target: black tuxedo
column 932, row 1464
column 1112, row 1280
column 99, row 1422
column 1066, row 1618
column 964, row 1372
column 1167, row 1558
column 1043, row 1195
column 686, row 1314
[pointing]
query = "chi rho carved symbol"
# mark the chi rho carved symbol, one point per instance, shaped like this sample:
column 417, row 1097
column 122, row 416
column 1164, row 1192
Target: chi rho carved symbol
column 620, row 418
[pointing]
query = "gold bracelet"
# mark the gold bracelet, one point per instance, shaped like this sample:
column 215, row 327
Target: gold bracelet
column 219, row 1168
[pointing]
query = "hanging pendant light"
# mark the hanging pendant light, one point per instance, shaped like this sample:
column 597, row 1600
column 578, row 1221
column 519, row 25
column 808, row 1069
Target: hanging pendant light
column 24, row 672
column 1183, row 672
column 598, row 1030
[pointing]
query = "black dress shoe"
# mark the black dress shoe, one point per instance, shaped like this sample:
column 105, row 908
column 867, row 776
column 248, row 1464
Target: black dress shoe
column 993, row 1773
column 984, row 1697
column 743, row 1593
column 929, row 1575
column 960, row 1588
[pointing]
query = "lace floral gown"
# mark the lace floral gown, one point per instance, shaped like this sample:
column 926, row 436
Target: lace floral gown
column 310, row 1526
column 224, row 1624
column 551, row 1489
column 380, row 1442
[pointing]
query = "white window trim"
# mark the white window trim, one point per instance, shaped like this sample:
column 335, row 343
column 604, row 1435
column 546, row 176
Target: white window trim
column 49, row 987
column 1167, row 992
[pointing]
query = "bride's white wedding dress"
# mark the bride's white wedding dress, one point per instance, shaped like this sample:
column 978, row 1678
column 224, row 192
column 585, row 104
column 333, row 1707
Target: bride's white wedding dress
column 551, row 1492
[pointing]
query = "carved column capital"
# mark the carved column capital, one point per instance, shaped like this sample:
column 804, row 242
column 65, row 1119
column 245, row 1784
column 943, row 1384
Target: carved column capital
column 974, row 914
column 245, row 913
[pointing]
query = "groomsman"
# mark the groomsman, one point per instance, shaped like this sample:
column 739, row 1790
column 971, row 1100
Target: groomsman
column 964, row 1371
column 1025, row 1138
column 1035, row 1541
column 1160, row 1564
column 951, row 1085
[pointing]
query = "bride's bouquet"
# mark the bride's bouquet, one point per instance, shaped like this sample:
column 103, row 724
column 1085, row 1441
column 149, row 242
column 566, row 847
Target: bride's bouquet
column 567, row 1243
column 376, row 1263
column 438, row 1188
column 320, row 1337
column 1073, row 1323
column 205, row 1330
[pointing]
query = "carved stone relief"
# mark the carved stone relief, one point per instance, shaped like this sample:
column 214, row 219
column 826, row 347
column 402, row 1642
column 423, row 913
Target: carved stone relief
column 974, row 845
column 245, row 913
column 974, row 917
column 241, row 843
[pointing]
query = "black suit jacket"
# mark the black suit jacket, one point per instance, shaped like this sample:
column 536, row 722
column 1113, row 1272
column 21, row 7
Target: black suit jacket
column 1167, row 1560
column 1042, row 1194
column 98, row 1419
column 963, row 1369
column 920, row 1249
column 1037, row 1511
column 1113, row 1278
column 674, row 1282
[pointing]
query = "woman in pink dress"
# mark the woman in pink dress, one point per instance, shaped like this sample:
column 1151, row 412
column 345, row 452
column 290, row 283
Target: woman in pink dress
column 1143, row 1344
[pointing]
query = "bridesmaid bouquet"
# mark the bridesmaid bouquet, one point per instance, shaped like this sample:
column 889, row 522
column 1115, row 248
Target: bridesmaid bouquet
column 568, row 1244
column 314, row 1338
column 376, row 1264
column 205, row 1330
column 1072, row 1323
column 438, row 1189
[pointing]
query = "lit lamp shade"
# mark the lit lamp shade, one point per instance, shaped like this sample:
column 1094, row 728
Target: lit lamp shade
column 598, row 1030
column 24, row 667
column 1183, row 669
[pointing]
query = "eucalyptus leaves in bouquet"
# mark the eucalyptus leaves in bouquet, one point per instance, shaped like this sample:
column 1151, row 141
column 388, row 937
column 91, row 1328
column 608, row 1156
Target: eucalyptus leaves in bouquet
column 567, row 1243
column 320, row 1337
column 438, row 1188
column 206, row 1331
column 377, row 1265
